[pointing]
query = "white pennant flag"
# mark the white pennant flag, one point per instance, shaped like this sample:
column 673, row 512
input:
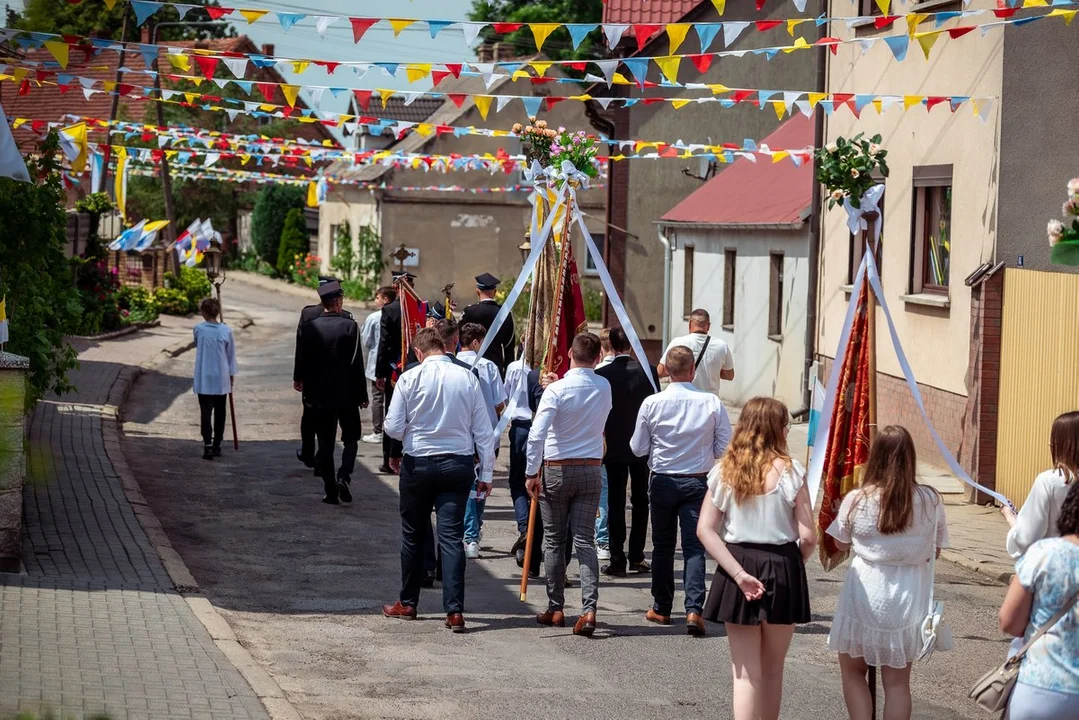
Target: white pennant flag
column 982, row 108
column 410, row 97
column 88, row 93
column 501, row 101
column 471, row 31
column 221, row 82
column 789, row 97
column 236, row 66
column 731, row 31
column 801, row 5
column 603, row 101
column 232, row 114
column 608, row 67
column 490, row 81
column 614, row 32
column 162, row 141
column 314, row 95
column 803, row 107
column 211, row 158
column 11, row 163
column 324, row 21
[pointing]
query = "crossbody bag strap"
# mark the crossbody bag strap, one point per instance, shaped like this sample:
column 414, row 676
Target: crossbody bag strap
column 700, row 356
column 1064, row 610
column 933, row 557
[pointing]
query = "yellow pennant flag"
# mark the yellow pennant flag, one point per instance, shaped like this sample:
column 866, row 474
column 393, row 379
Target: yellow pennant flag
column 541, row 31
column 110, row 4
column 884, row 5
column 417, row 71
column 519, row 74
column 721, row 5
column 108, row 85
column 791, row 24
column 780, row 155
column 290, row 92
column 483, row 103
column 244, row 159
column 385, row 95
column 815, row 98
column 1035, row 3
column 679, row 104
column 669, row 66
column 718, row 88
column 252, row 15
column 878, row 105
column 398, row 25
column 799, row 44
column 779, row 107
column 312, row 194
column 541, row 67
column 910, row 101
column 59, row 50
column 180, row 62
column 425, row 129
column 676, row 34
column 120, row 181
column 191, row 98
column 170, row 154
column 265, row 107
column 913, row 21
column 298, row 66
column 1068, row 15
column 619, row 79
column 3, row 320
column 926, row 40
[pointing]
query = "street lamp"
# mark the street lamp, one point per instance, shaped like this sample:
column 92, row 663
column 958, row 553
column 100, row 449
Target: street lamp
column 526, row 247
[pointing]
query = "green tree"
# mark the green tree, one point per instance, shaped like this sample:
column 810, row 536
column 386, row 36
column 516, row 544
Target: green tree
column 293, row 242
column 95, row 205
column 58, row 16
column 272, row 205
column 343, row 261
column 559, row 46
column 35, row 277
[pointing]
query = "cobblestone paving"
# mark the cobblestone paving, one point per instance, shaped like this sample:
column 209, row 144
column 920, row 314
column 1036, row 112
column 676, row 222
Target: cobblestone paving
column 94, row 625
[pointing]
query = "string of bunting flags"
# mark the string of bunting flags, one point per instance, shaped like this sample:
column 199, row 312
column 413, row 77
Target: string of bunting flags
column 613, row 33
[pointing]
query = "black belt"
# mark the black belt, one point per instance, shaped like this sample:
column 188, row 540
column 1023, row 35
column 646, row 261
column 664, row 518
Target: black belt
column 699, row 476
column 520, row 423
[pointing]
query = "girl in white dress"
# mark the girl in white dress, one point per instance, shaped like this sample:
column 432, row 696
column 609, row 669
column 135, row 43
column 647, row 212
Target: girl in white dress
column 894, row 526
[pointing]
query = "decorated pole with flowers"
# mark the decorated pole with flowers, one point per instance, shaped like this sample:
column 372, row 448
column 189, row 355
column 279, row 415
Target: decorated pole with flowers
column 1064, row 236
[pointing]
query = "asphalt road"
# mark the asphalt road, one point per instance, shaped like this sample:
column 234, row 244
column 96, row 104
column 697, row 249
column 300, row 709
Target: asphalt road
column 301, row 583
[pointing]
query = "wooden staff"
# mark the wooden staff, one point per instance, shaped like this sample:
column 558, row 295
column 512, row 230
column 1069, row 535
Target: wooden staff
column 871, row 338
column 557, row 316
column 235, row 435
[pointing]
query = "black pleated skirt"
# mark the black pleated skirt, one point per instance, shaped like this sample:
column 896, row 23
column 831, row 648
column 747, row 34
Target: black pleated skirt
column 786, row 590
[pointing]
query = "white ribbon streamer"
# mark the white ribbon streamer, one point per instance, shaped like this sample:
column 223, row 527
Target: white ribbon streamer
column 616, row 302
column 870, row 202
column 824, row 424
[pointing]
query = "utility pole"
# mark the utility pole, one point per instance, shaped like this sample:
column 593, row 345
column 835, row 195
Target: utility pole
column 114, row 108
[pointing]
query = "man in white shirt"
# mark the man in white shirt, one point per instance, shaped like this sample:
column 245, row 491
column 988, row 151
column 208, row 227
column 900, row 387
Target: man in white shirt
column 494, row 393
column 683, row 431
column 520, row 424
column 713, row 360
column 567, row 439
column 439, row 414
column 370, row 337
column 603, row 536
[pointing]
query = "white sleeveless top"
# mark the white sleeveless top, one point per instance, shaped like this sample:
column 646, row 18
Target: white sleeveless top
column 767, row 519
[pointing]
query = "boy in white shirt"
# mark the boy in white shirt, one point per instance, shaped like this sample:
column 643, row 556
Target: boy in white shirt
column 369, row 337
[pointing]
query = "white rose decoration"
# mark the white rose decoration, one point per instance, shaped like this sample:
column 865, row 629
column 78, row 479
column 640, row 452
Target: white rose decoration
column 873, row 149
column 833, row 148
column 1056, row 231
column 837, row 195
column 854, row 173
column 1073, row 186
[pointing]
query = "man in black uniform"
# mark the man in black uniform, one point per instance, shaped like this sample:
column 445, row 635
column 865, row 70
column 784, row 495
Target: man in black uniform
column 333, row 382
column 501, row 350
column 389, row 354
column 306, row 453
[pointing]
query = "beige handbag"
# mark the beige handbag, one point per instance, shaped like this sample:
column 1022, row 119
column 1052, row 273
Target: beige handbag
column 994, row 689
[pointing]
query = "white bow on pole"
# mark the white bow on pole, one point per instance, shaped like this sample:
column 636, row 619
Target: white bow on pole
column 870, row 202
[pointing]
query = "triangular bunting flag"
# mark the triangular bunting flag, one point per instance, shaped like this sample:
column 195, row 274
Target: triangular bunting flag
column 707, row 32
column 541, row 31
column 613, row 33
column 287, row 20
column 532, row 105
column 399, row 25
column 483, row 104
column 579, row 32
column 720, row 5
column 417, row 72
column 290, row 92
column 926, row 40
column 360, row 26
column 669, row 67
column 59, row 50
column 884, row 5
column 437, row 26
column 676, row 34
column 644, row 32
column 731, row 31
column 143, row 10
column 252, row 15
column 322, row 22
column 471, row 31
column 898, row 44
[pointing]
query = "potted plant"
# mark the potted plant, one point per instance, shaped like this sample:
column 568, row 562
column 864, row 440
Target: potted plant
column 847, row 166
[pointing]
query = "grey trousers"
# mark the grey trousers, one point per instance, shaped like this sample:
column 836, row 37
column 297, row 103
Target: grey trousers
column 378, row 408
column 569, row 499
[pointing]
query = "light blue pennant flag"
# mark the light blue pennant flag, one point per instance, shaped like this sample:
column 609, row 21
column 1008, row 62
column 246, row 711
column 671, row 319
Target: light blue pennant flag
column 532, row 105
column 638, row 67
column 143, row 10
column 578, row 32
column 183, row 9
column 437, row 26
column 898, row 44
column 860, row 101
column 707, row 32
column 287, row 20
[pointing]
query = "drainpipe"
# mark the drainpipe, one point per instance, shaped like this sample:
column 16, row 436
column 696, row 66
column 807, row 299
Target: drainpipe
column 667, row 259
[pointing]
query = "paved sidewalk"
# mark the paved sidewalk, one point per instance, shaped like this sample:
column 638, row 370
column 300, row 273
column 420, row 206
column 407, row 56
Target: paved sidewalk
column 95, row 626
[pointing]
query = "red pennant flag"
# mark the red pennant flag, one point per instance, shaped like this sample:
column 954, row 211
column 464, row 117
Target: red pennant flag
column 124, row 88
column 64, row 89
column 24, row 87
column 363, row 97
column 847, row 450
column 39, row 126
column 438, row 76
column 884, row 21
column 652, row 101
column 360, row 26
column 445, row 129
column 741, row 95
column 156, row 155
column 701, row 62
column 147, row 136
column 840, row 98
column 1005, row 12
column 569, row 314
column 577, row 65
column 760, row 4
column 266, row 89
column 644, row 32
column 542, row 80
column 207, row 64
column 958, row 32
column 454, row 68
column 330, row 65
column 763, row 25
column 457, row 98
column 934, row 100
column 831, row 42
column 552, row 101
column 505, row 28
column 216, row 13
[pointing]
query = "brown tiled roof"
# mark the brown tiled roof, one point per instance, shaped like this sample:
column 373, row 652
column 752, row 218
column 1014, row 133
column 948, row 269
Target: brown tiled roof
column 417, row 111
column 647, row 11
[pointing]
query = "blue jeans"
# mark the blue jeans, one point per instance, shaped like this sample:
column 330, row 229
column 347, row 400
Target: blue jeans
column 439, row 483
column 518, row 447
column 474, row 517
column 676, row 500
column 602, row 536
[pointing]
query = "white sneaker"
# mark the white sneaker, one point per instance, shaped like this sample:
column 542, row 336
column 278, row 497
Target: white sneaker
column 472, row 550
column 372, row 438
column 603, row 552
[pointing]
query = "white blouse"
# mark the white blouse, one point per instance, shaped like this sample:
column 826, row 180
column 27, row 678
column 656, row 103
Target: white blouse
column 767, row 519
column 215, row 359
column 1038, row 518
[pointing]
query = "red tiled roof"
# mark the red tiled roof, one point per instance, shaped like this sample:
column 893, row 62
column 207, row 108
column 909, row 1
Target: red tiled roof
column 647, row 11
column 755, row 193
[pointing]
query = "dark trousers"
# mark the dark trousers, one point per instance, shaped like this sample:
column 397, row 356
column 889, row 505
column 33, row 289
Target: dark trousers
column 676, row 500
column 308, row 431
column 440, row 483
column 390, row 448
column 617, row 475
column 518, row 446
column 212, row 431
column 326, row 422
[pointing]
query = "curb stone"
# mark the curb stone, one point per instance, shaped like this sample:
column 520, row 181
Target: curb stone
column 1004, row 578
column 267, row 690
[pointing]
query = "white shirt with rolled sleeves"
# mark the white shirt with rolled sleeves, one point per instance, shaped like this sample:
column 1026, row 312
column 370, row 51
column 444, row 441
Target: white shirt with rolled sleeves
column 717, row 358
column 683, row 430
column 517, row 391
column 215, row 359
column 369, row 339
column 569, row 420
column 438, row 408
column 494, row 390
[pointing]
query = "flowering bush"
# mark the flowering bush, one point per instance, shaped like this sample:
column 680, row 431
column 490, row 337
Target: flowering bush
column 172, row 301
column 137, row 305
column 97, row 286
column 578, row 148
column 846, row 168
column 536, row 139
column 1064, row 236
column 305, row 270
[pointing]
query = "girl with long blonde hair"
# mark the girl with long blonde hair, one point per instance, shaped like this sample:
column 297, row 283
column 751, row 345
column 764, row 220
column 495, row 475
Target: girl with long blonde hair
column 757, row 523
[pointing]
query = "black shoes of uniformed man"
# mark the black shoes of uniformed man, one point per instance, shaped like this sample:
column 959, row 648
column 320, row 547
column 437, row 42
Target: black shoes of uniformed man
column 343, row 492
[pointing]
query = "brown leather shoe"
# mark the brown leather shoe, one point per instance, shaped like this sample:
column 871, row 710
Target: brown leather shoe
column 555, row 618
column 456, row 622
column 586, row 625
column 655, row 617
column 397, row 610
column 695, row 625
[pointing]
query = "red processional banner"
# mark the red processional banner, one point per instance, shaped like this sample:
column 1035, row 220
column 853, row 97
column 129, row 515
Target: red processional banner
column 413, row 319
column 848, row 435
column 569, row 317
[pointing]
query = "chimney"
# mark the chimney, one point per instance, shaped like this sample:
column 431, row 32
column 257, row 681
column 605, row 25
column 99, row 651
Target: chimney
column 267, row 49
column 504, row 51
column 485, row 53
column 145, row 39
